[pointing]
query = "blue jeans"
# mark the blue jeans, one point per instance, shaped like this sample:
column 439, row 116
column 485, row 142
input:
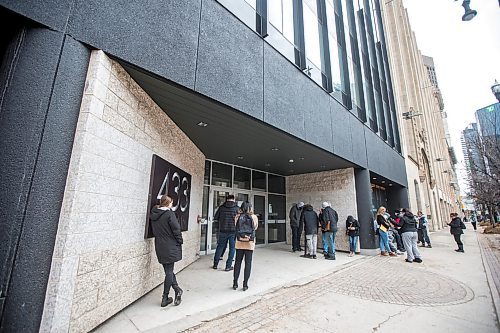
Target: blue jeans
column 329, row 242
column 222, row 240
column 353, row 243
column 384, row 241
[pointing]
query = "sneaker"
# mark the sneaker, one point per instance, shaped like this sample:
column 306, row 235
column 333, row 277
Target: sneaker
column 399, row 252
column 418, row 260
column 178, row 294
column 305, row 255
column 235, row 285
column 330, row 257
column 214, row 266
column 429, row 246
column 165, row 300
column 228, row 269
column 408, row 261
column 392, row 254
column 245, row 288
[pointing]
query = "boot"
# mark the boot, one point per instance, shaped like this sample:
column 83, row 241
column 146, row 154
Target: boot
column 165, row 300
column 235, row 285
column 461, row 248
column 178, row 294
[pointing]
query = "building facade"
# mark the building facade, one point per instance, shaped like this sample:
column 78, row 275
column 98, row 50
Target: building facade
column 430, row 158
column 105, row 107
column 480, row 141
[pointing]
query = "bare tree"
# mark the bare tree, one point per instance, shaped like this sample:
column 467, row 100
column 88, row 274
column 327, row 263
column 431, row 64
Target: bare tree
column 484, row 165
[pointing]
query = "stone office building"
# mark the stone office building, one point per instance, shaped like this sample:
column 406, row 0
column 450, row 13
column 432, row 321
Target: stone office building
column 107, row 105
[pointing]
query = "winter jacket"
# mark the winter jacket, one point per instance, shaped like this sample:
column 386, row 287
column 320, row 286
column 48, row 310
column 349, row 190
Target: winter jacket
column 168, row 236
column 408, row 223
column 456, row 226
column 422, row 222
column 225, row 215
column 329, row 214
column 352, row 222
column 381, row 220
column 310, row 220
column 294, row 215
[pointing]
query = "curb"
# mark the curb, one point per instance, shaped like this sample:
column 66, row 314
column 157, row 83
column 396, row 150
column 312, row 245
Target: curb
column 489, row 277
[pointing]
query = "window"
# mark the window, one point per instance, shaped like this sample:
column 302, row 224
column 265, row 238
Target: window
column 312, row 30
column 206, row 178
column 334, row 50
column 242, row 178
column 222, row 174
column 276, row 184
column 259, row 180
column 281, row 17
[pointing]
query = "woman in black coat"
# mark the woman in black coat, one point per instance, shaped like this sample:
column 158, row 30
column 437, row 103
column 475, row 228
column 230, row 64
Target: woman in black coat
column 168, row 245
column 352, row 230
column 456, row 226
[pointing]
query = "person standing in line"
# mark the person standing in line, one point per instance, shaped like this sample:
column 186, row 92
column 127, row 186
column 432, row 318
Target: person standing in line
column 408, row 224
column 246, row 222
column 473, row 220
column 168, row 246
column 329, row 221
column 422, row 229
column 385, row 249
column 352, row 230
column 225, row 215
column 310, row 221
column 295, row 224
column 456, row 226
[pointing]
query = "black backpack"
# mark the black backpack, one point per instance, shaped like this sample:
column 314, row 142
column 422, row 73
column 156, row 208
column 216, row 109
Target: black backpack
column 244, row 228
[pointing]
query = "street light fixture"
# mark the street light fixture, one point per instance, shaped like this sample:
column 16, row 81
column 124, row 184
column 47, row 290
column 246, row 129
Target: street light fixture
column 495, row 89
column 469, row 13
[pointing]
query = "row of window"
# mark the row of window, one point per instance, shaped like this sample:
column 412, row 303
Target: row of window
column 227, row 175
column 340, row 44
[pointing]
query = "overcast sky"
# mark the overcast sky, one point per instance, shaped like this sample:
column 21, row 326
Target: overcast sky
column 466, row 56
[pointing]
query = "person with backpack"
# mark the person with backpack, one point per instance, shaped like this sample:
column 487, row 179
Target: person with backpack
column 225, row 216
column 168, row 246
column 246, row 223
column 352, row 230
column 310, row 221
column 456, row 229
column 329, row 220
column 423, row 235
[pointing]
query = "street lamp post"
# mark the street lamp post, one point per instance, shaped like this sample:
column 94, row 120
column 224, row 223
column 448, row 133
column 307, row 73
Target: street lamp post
column 495, row 89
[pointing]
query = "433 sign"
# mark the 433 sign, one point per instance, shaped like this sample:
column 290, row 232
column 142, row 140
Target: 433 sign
column 168, row 179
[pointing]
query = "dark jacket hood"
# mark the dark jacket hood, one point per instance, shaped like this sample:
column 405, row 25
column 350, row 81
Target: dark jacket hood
column 350, row 219
column 409, row 214
column 156, row 213
column 229, row 204
column 308, row 207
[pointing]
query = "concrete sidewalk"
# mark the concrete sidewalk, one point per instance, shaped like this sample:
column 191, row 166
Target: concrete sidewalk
column 208, row 293
column 448, row 292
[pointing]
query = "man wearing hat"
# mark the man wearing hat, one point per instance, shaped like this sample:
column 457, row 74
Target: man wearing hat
column 296, row 225
column 329, row 220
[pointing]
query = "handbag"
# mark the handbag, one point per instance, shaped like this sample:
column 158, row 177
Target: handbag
column 326, row 227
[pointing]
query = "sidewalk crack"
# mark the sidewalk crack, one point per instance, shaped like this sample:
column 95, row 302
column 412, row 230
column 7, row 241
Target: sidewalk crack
column 375, row 329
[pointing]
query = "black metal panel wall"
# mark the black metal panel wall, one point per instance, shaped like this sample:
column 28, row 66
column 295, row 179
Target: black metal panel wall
column 37, row 137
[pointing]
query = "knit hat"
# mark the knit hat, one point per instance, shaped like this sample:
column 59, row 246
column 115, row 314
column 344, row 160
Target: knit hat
column 325, row 204
column 300, row 204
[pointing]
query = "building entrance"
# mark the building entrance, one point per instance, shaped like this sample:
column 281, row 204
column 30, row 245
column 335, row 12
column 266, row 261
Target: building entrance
column 246, row 185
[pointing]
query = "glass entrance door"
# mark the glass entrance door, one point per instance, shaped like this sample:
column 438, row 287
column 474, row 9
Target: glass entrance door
column 259, row 208
column 216, row 198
